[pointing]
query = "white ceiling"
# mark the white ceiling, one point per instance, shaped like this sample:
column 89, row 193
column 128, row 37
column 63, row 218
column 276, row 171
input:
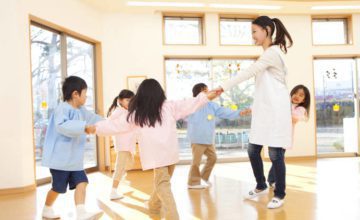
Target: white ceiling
column 288, row 6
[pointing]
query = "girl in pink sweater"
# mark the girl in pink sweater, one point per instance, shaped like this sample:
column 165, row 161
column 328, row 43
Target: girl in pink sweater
column 300, row 106
column 124, row 143
column 153, row 119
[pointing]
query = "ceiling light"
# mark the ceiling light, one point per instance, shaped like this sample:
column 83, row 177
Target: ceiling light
column 335, row 7
column 238, row 6
column 165, row 4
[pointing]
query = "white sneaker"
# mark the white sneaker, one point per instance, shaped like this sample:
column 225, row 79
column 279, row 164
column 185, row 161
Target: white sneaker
column 208, row 183
column 253, row 194
column 90, row 215
column 200, row 186
column 275, row 203
column 49, row 213
column 116, row 195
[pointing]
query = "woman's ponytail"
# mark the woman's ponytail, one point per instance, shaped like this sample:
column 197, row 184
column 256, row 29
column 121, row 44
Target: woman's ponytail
column 282, row 35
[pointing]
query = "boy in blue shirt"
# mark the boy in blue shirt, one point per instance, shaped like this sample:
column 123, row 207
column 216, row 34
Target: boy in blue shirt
column 201, row 133
column 64, row 148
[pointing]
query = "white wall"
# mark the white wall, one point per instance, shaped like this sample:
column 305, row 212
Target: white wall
column 133, row 46
column 16, row 140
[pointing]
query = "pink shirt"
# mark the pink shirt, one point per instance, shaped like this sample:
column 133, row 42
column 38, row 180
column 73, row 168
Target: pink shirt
column 158, row 145
column 124, row 141
column 298, row 112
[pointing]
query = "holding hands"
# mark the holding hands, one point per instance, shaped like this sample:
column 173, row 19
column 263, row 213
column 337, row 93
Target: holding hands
column 214, row 93
column 90, row 129
column 219, row 90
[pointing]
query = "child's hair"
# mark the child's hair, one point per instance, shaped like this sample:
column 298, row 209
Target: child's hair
column 71, row 84
column 147, row 103
column 124, row 94
column 198, row 88
column 275, row 25
column 306, row 102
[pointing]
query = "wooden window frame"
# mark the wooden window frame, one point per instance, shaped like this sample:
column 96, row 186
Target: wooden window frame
column 202, row 32
column 348, row 30
column 235, row 17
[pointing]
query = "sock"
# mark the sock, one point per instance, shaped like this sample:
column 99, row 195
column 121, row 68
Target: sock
column 80, row 208
column 47, row 208
column 113, row 190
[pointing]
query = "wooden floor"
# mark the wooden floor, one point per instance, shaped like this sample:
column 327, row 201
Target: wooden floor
column 322, row 189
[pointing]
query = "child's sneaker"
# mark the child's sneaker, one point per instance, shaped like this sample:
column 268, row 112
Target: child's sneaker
column 115, row 195
column 253, row 194
column 275, row 203
column 208, row 183
column 89, row 215
column 49, row 213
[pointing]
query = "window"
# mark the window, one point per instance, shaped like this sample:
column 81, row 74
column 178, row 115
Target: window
column 80, row 62
column 231, row 139
column 235, row 31
column 330, row 31
column 54, row 56
column 335, row 91
column 183, row 30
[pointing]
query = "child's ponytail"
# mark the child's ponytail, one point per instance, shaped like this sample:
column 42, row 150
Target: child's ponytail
column 124, row 94
column 113, row 106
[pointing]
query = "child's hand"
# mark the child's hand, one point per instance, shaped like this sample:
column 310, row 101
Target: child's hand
column 245, row 112
column 90, row 129
column 218, row 90
column 295, row 120
column 212, row 94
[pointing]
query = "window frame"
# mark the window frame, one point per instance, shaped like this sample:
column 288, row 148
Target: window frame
column 208, row 58
column 348, row 28
column 186, row 16
column 234, row 17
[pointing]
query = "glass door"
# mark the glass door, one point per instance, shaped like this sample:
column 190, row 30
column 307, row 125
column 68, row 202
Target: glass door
column 336, row 120
column 54, row 56
column 80, row 62
column 46, row 86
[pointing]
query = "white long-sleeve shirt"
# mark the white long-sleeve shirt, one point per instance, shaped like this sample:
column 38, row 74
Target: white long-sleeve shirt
column 271, row 123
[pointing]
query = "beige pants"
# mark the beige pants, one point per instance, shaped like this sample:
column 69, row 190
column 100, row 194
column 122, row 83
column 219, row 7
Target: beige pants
column 198, row 150
column 162, row 195
column 124, row 162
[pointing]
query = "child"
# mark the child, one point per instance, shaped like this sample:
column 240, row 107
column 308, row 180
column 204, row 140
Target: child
column 124, row 143
column 154, row 119
column 201, row 132
column 271, row 109
column 64, row 148
column 300, row 99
